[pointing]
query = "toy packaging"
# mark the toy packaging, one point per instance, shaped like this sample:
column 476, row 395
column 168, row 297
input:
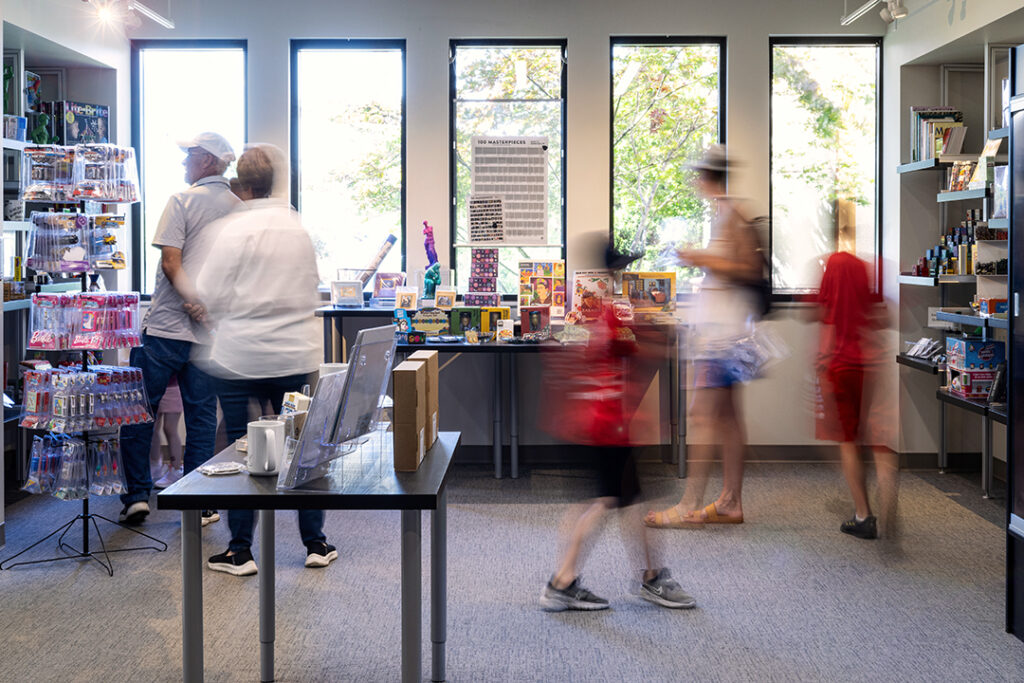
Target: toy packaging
column 535, row 319
column 105, row 173
column 542, row 283
column 650, row 291
column 481, row 299
column 74, row 243
column 66, row 400
column 973, row 353
column 75, row 123
column 433, row 321
column 464, row 318
column 491, row 315
column 84, row 321
column 47, row 173
column 483, row 263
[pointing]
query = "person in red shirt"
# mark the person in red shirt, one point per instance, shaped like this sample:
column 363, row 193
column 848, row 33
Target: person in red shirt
column 594, row 403
column 847, row 353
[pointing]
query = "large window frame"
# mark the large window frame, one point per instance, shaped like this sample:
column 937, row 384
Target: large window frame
column 655, row 41
column 299, row 44
column 137, row 47
column 453, row 46
column 827, row 41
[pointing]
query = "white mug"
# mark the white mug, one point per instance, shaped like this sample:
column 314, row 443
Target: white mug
column 266, row 446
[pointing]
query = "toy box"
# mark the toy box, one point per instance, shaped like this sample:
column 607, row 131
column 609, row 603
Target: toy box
column 481, row 298
column 464, row 318
column 647, row 291
column 972, row 353
column 490, row 315
column 971, row 383
column 989, row 306
column 535, row 319
column 77, row 122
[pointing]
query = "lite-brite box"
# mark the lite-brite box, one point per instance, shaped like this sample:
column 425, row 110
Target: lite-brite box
column 77, row 122
column 971, row 383
column 973, row 353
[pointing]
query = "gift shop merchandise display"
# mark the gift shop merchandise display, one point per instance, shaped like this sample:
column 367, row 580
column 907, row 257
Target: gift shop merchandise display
column 464, row 318
column 972, row 364
column 957, row 250
column 654, row 291
column 542, row 283
column 66, row 401
column 58, row 174
column 84, row 321
column 590, row 289
column 73, row 123
column 535, row 319
column 70, row 468
column 75, row 242
column 483, row 278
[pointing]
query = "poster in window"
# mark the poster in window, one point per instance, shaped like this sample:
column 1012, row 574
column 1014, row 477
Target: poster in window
column 514, row 169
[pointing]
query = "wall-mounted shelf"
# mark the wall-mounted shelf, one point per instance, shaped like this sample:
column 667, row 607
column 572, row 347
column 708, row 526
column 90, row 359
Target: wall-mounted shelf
column 918, row 280
column 998, row 224
column 956, row 279
column 999, row 133
column 917, row 363
column 16, row 145
column 17, row 305
column 17, row 226
column 962, row 195
column 975, row 405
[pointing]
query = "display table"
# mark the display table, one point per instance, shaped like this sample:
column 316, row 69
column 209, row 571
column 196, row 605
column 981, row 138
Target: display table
column 409, row 492
column 335, row 352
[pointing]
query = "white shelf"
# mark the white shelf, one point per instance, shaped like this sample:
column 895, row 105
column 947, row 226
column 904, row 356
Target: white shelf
column 17, row 226
column 15, row 144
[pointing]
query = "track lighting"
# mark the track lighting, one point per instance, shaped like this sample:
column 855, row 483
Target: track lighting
column 893, row 10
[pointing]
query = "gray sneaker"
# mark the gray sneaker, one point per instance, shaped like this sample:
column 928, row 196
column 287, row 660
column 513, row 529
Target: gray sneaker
column 573, row 596
column 665, row 591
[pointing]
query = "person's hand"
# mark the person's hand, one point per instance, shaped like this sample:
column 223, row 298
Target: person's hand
column 691, row 257
column 196, row 311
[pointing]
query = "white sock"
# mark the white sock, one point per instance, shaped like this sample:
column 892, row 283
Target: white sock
column 859, row 518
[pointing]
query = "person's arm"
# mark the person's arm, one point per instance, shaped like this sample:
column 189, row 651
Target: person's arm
column 170, row 262
column 745, row 262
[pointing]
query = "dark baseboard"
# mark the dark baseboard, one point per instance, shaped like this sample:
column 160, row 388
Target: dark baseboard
column 572, row 454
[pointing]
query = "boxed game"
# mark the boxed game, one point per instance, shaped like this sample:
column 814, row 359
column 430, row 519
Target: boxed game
column 542, row 283
column 77, row 122
column 481, row 299
column 535, row 319
column 590, row 289
column 973, row 353
column 971, row 383
column 483, row 284
column 647, row 291
column 483, row 263
column 464, row 318
column 490, row 315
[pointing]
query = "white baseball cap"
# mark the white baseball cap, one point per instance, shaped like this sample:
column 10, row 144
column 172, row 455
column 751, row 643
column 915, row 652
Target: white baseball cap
column 213, row 143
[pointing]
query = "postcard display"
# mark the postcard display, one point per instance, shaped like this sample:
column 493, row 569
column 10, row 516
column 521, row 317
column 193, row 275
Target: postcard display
column 81, row 407
column 343, row 419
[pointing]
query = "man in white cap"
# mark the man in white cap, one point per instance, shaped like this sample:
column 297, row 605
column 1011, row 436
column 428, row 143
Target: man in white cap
column 172, row 327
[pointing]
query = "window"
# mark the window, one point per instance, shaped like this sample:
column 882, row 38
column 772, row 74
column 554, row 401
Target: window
column 180, row 88
column 503, row 89
column 348, row 150
column 667, row 107
column 824, row 156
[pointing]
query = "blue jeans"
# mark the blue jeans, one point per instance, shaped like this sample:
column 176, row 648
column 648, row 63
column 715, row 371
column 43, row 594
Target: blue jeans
column 160, row 359
column 235, row 395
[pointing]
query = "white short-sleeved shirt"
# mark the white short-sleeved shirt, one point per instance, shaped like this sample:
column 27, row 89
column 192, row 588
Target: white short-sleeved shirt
column 260, row 287
column 185, row 225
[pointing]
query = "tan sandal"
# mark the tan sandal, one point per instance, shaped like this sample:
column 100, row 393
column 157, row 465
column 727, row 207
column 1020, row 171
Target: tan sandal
column 711, row 516
column 671, row 519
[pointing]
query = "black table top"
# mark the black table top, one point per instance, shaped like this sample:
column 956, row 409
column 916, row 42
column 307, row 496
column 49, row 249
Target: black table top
column 342, row 312
column 484, row 347
column 339, row 490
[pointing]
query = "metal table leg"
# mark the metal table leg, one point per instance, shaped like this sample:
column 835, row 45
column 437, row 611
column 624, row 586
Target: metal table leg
column 681, row 380
column 328, row 340
column 986, row 457
column 266, row 595
column 943, row 455
column 192, row 597
column 412, row 597
column 340, row 348
column 439, row 587
column 513, row 417
column 496, row 409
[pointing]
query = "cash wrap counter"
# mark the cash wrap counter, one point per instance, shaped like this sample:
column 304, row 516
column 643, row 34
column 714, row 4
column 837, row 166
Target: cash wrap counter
column 335, row 351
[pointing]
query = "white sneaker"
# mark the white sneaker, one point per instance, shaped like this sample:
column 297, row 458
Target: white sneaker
column 173, row 475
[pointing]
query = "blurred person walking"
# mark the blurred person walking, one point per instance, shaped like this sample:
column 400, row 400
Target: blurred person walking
column 169, row 331
column 848, row 354
column 595, row 404
column 260, row 289
column 725, row 312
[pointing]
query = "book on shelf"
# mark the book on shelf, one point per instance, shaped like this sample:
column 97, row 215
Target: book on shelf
column 960, row 175
column 927, row 129
column 953, row 140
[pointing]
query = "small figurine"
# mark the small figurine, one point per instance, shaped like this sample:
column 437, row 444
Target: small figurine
column 431, row 280
column 41, row 134
column 428, row 243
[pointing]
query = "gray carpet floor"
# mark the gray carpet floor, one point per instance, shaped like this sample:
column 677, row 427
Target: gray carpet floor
column 783, row 597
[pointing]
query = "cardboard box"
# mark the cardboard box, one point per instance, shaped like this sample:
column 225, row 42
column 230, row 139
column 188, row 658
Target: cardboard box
column 464, row 317
column 990, row 306
column 430, row 360
column 971, row 383
column 77, row 122
column 409, row 382
column 972, row 353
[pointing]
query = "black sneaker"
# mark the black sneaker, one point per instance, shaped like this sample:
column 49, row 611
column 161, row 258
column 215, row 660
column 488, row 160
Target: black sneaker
column 868, row 528
column 239, row 564
column 320, row 554
column 134, row 513
column 210, row 516
column 573, row 596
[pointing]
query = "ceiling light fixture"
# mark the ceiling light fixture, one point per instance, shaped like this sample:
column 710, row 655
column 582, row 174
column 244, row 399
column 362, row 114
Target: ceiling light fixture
column 858, row 13
column 893, row 10
column 136, row 6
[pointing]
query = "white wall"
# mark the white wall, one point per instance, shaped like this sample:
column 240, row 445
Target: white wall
column 587, row 25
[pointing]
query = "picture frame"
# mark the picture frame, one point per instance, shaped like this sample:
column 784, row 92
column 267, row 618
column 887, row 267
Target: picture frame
column 406, row 298
column 348, row 293
column 445, row 298
column 385, row 284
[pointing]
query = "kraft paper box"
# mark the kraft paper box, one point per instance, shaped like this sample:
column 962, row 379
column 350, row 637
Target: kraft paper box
column 409, row 381
column 430, row 360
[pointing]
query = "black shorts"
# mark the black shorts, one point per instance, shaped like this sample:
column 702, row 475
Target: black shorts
column 616, row 474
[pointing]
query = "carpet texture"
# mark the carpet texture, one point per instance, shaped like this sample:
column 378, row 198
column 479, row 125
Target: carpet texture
column 783, row 597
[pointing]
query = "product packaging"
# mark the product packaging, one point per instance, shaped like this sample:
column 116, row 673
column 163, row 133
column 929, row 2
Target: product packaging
column 47, row 173
column 430, row 360
column 409, row 381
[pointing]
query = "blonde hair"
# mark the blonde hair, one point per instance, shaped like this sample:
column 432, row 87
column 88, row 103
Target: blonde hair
column 256, row 172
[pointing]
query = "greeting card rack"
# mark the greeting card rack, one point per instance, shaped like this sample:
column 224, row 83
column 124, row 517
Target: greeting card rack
column 69, row 551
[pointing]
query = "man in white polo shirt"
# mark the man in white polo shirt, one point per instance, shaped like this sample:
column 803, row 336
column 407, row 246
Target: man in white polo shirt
column 169, row 330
